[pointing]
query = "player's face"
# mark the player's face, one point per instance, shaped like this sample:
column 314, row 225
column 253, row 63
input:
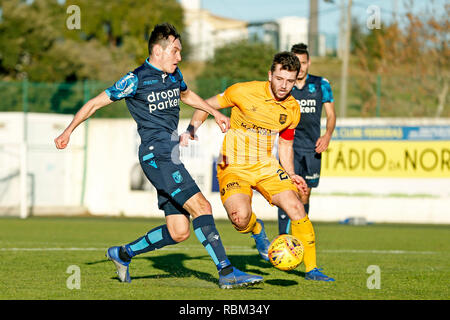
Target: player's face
column 281, row 82
column 171, row 55
column 304, row 65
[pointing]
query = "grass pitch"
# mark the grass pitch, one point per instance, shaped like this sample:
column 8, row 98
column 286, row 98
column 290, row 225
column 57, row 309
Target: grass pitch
column 38, row 256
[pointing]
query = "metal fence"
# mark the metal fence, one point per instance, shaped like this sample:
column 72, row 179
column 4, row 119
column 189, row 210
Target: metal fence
column 373, row 96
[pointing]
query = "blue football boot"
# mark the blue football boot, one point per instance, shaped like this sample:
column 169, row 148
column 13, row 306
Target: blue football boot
column 316, row 274
column 237, row 279
column 121, row 266
column 262, row 242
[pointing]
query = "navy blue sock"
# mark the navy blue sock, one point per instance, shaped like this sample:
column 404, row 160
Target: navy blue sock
column 306, row 208
column 284, row 223
column 207, row 234
column 154, row 239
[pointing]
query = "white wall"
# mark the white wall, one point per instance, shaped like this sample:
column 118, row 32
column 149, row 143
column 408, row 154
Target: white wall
column 204, row 36
column 292, row 30
column 112, row 155
column 336, row 198
column 191, row 4
column 54, row 177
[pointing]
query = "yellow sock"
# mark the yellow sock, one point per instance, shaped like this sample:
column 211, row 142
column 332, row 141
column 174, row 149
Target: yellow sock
column 304, row 231
column 252, row 226
column 257, row 228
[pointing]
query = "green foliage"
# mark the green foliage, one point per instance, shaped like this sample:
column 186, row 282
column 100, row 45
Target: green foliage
column 36, row 43
column 238, row 61
column 28, row 33
column 241, row 60
column 62, row 97
column 123, row 23
column 412, row 58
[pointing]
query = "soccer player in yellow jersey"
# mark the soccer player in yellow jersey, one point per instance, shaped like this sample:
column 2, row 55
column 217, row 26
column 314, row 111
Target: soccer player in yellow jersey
column 260, row 111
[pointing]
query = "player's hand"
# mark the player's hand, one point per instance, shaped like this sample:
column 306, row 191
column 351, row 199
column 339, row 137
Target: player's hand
column 62, row 141
column 223, row 121
column 185, row 137
column 322, row 143
column 300, row 183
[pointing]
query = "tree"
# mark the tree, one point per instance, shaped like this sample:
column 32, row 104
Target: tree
column 413, row 59
column 237, row 61
column 35, row 42
column 27, row 34
column 125, row 23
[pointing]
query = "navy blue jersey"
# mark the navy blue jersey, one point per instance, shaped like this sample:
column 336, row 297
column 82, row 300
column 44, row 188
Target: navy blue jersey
column 153, row 99
column 315, row 92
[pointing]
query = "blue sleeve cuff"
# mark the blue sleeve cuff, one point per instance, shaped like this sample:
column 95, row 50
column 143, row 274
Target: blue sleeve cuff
column 183, row 86
column 124, row 88
column 327, row 93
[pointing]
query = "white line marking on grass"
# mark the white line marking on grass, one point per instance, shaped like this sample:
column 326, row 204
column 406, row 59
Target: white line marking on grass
column 380, row 251
column 231, row 248
column 52, row 249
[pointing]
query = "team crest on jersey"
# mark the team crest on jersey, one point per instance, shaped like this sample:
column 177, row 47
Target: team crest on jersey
column 177, row 176
column 124, row 82
column 283, row 118
column 312, row 88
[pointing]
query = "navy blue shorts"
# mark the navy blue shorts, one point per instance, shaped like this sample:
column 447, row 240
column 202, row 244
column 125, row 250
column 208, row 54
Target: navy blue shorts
column 163, row 168
column 307, row 165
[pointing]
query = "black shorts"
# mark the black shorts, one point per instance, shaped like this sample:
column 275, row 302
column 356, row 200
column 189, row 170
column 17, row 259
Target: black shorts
column 161, row 164
column 307, row 165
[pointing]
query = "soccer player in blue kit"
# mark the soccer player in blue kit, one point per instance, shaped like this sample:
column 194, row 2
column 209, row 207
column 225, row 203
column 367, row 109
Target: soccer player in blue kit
column 312, row 93
column 152, row 93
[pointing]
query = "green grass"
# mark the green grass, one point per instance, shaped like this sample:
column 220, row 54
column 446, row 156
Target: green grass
column 369, row 194
column 414, row 261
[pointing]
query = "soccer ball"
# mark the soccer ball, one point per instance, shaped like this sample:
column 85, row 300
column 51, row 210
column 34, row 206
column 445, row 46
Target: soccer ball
column 286, row 252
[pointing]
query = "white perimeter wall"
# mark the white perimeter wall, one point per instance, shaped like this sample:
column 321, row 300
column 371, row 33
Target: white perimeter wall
column 112, row 169
column 53, row 177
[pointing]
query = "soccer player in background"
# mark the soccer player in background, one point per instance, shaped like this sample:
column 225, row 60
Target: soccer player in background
column 312, row 93
column 260, row 111
column 152, row 93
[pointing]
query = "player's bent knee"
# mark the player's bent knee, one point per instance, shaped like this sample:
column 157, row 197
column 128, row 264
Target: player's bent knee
column 203, row 208
column 179, row 227
column 240, row 220
column 197, row 205
column 206, row 207
column 295, row 210
column 248, row 226
column 305, row 197
column 180, row 235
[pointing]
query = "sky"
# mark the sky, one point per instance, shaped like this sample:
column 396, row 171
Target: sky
column 329, row 13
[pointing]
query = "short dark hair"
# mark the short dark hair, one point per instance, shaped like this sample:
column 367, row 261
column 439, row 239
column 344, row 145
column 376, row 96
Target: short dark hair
column 160, row 34
column 288, row 62
column 300, row 48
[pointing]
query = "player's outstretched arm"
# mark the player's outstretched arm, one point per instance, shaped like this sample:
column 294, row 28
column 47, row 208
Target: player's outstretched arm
column 199, row 117
column 191, row 98
column 87, row 110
